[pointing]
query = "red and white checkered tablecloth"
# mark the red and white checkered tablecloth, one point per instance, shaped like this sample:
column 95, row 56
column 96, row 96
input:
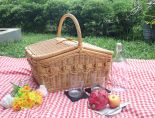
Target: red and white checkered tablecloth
column 140, row 92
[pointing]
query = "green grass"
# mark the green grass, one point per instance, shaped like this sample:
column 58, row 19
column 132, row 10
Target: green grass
column 133, row 49
column 16, row 49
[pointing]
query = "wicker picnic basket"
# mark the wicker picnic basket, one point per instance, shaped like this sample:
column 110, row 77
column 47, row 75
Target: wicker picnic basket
column 56, row 61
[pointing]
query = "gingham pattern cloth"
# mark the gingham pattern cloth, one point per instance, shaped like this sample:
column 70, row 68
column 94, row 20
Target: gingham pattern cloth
column 139, row 92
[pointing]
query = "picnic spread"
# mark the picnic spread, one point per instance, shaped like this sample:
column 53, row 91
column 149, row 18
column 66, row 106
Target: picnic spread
column 139, row 93
column 72, row 79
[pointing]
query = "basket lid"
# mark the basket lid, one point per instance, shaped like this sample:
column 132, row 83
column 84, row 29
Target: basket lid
column 57, row 46
column 49, row 48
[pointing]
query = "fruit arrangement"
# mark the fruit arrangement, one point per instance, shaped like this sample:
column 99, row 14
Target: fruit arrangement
column 99, row 99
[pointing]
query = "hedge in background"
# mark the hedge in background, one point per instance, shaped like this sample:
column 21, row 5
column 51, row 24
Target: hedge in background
column 28, row 16
column 75, row 7
column 22, row 1
column 54, row 9
column 5, row 15
column 104, row 17
column 93, row 16
column 96, row 17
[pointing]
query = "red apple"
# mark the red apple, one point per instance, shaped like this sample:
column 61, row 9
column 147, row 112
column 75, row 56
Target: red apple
column 114, row 100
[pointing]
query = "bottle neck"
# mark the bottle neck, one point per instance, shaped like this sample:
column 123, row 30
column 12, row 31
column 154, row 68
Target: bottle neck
column 118, row 56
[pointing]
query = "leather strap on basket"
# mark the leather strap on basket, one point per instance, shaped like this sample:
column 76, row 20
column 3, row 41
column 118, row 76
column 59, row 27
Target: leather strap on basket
column 78, row 29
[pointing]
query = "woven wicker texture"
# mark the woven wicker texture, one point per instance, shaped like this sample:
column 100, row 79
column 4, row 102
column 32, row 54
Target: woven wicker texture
column 55, row 62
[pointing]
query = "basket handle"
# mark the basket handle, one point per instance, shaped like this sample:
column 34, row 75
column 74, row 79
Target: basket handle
column 78, row 29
